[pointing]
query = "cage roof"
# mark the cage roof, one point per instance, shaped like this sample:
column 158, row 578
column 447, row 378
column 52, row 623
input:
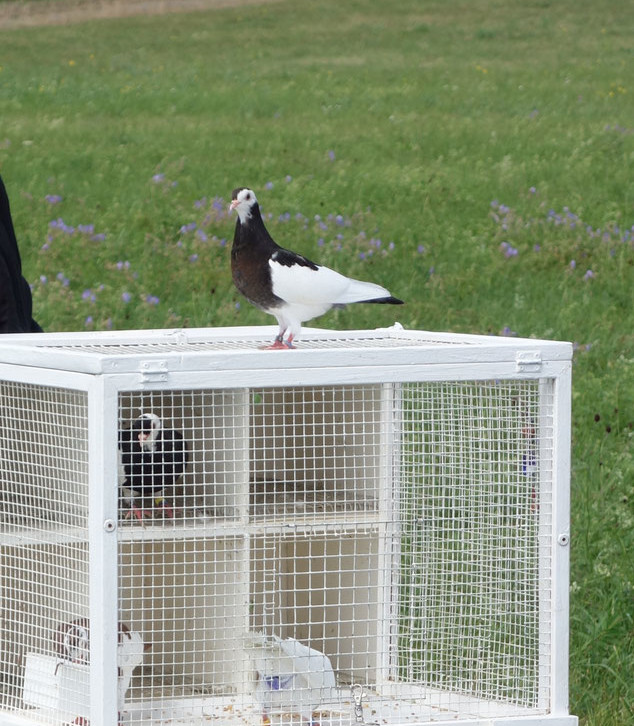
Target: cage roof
column 243, row 348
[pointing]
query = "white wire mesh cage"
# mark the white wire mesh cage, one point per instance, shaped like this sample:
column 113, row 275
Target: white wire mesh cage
column 371, row 529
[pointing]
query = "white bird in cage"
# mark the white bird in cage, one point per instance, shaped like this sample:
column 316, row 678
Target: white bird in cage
column 72, row 641
column 283, row 283
column 151, row 461
column 290, row 677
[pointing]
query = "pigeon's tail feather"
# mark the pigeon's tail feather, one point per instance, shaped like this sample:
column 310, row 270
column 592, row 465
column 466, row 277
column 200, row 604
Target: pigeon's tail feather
column 358, row 291
column 385, row 301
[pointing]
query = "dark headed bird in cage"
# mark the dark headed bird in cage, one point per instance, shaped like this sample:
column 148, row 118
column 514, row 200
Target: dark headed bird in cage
column 151, row 461
column 283, row 283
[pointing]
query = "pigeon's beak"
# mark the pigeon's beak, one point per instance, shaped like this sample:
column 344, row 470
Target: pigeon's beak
column 233, row 205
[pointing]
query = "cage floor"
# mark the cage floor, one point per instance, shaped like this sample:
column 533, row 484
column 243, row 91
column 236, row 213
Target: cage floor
column 376, row 711
column 437, row 708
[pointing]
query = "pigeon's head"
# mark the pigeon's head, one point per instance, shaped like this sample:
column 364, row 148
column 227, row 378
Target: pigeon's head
column 243, row 200
column 148, row 427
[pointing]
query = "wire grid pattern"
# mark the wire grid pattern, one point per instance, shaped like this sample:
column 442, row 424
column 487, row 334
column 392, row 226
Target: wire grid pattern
column 242, row 343
column 43, row 538
column 395, row 529
column 475, row 462
column 274, row 534
column 315, row 450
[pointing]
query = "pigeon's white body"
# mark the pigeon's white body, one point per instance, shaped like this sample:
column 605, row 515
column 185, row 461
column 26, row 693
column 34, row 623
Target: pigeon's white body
column 130, row 653
column 290, row 676
column 284, row 283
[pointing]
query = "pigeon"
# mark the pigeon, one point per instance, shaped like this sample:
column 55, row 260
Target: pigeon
column 151, row 459
column 290, row 676
column 283, row 283
column 72, row 643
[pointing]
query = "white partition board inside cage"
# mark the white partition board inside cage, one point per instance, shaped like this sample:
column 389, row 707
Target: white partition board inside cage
column 370, row 529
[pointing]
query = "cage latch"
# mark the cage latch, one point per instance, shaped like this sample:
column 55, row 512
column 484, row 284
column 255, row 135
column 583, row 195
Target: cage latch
column 154, row 371
column 528, row 361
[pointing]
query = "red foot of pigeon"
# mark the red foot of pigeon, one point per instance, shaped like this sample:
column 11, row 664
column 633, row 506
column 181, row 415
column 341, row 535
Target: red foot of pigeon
column 280, row 344
column 137, row 513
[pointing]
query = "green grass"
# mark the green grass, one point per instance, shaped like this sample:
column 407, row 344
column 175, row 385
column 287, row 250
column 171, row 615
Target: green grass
column 433, row 111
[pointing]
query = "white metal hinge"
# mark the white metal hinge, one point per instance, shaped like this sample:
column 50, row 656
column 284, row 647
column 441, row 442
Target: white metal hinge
column 528, row 362
column 154, row 371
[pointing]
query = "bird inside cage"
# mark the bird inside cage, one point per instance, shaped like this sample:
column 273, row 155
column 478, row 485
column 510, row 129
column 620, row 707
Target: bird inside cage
column 290, row 677
column 151, row 461
column 72, row 643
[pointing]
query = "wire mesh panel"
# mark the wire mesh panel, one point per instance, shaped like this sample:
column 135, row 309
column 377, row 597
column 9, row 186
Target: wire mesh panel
column 43, row 549
column 472, row 509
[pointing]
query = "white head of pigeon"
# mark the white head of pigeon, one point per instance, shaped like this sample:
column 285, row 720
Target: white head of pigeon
column 149, row 426
column 285, row 284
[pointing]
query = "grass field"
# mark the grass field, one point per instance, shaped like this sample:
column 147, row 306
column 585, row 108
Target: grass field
column 474, row 156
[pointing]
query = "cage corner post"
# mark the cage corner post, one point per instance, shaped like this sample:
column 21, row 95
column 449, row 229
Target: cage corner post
column 102, row 524
column 561, row 542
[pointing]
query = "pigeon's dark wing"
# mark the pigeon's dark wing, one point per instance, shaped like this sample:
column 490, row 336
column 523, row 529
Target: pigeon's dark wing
column 287, row 258
column 170, row 458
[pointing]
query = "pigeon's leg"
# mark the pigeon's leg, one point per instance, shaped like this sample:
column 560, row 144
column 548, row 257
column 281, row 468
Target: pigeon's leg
column 163, row 506
column 280, row 344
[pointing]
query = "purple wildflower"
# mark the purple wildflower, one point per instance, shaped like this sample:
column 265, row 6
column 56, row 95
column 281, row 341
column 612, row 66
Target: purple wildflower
column 43, row 279
column 152, row 300
column 589, row 275
column 201, row 235
column 331, row 155
column 88, row 295
column 269, row 185
column 98, row 237
column 193, row 258
column 288, row 178
column 158, row 178
column 53, row 198
column 573, row 264
column 126, row 297
column 86, row 228
column 421, row 249
column 63, row 279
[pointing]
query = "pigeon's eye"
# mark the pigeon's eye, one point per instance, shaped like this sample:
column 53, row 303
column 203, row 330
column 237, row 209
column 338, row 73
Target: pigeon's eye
column 248, row 196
